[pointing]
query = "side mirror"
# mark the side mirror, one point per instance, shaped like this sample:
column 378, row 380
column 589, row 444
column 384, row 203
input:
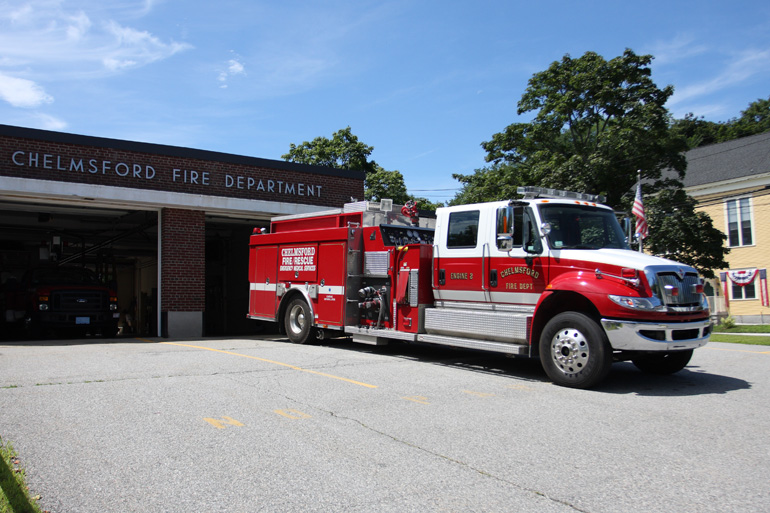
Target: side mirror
column 505, row 228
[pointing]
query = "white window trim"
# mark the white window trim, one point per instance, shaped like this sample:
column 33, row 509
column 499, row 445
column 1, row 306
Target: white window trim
column 738, row 199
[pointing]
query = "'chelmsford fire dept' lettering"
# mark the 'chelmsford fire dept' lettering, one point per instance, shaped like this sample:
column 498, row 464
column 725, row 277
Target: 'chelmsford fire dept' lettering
column 147, row 172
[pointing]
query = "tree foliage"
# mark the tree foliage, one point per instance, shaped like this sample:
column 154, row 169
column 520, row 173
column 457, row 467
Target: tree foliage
column 496, row 182
column 345, row 151
column 596, row 124
column 342, row 151
column 382, row 183
column 699, row 132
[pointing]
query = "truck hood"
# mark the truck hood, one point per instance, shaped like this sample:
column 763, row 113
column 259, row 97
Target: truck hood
column 619, row 257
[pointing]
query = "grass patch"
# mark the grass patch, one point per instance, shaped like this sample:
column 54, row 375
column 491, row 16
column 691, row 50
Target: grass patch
column 14, row 495
column 741, row 339
column 752, row 328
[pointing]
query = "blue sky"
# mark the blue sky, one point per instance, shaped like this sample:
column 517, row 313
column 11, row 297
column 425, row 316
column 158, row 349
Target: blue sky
column 423, row 82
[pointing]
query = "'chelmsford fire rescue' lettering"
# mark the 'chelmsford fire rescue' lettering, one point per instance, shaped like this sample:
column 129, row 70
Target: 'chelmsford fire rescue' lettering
column 298, row 259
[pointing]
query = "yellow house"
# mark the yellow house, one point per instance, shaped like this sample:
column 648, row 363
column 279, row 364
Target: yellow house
column 731, row 182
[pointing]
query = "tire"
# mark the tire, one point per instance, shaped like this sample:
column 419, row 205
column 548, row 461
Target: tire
column 574, row 351
column 298, row 321
column 663, row 363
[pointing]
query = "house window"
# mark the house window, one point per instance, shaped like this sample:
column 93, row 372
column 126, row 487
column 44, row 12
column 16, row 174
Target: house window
column 739, row 222
column 747, row 291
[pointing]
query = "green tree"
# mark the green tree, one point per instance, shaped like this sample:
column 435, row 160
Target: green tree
column 496, row 182
column 342, row 151
column 699, row 132
column 597, row 123
column 382, row 183
column 345, row 151
column 696, row 131
column 754, row 120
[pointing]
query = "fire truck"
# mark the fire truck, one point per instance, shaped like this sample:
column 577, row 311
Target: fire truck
column 549, row 276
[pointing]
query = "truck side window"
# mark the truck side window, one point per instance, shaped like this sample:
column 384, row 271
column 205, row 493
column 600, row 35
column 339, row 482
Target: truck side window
column 463, row 229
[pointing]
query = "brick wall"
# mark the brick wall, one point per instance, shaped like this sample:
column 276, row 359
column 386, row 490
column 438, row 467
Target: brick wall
column 183, row 265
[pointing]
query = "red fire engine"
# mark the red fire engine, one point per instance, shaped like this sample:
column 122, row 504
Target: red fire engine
column 548, row 276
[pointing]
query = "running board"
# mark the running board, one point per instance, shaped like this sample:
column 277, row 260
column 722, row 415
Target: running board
column 377, row 336
column 472, row 343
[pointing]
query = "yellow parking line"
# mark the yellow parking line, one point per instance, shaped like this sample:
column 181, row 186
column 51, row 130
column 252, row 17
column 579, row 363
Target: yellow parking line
column 293, row 367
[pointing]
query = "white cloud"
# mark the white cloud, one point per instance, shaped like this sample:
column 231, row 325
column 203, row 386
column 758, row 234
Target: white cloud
column 234, row 67
column 21, row 92
column 47, row 122
column 680, row 48
column 741, row 67
column 46, row 39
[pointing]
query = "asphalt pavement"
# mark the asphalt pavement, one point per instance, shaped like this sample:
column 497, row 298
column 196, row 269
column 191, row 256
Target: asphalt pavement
column 258, row 424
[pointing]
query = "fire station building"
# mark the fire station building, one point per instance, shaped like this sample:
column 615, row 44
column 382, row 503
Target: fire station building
column 166, row 226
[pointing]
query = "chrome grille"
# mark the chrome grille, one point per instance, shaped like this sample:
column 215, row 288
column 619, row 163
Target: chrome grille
column 666, row 282
column 80, row 300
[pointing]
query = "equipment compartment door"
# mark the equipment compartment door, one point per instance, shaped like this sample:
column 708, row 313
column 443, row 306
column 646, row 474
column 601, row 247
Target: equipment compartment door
column 330, row 306
column 263, row 282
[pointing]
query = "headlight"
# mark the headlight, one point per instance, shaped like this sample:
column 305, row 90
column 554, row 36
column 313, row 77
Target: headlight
column 649, row 304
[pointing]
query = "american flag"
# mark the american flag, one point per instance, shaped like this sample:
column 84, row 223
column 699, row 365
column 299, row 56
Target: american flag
column 638, row 211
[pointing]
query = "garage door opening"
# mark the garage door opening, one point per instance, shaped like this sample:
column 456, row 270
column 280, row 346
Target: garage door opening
column 116, row 247
column 227, row 282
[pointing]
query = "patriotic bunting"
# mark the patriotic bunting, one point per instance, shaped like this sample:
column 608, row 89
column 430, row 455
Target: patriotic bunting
column 743, row 277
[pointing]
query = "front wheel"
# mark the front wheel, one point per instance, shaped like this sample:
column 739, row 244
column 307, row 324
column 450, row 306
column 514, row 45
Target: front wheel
column 298, row 321
column 574, row 351
column 664, row 363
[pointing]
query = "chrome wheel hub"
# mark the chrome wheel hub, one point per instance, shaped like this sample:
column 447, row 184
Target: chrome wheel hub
column 297, row 319
column 569, row 350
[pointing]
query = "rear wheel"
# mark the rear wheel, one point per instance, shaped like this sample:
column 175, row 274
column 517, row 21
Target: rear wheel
column 574, row 351
column 664, row 363
column 298, row 321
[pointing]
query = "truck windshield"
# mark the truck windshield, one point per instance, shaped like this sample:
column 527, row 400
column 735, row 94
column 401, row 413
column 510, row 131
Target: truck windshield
column 582, row 227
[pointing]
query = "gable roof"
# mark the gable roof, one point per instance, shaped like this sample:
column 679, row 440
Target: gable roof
column 739, row 158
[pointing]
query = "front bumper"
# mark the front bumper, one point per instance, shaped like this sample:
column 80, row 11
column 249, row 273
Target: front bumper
column 76, row 319
column 627, row 335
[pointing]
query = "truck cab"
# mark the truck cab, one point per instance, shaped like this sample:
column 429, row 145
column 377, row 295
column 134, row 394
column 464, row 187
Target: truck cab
column 554, row 273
